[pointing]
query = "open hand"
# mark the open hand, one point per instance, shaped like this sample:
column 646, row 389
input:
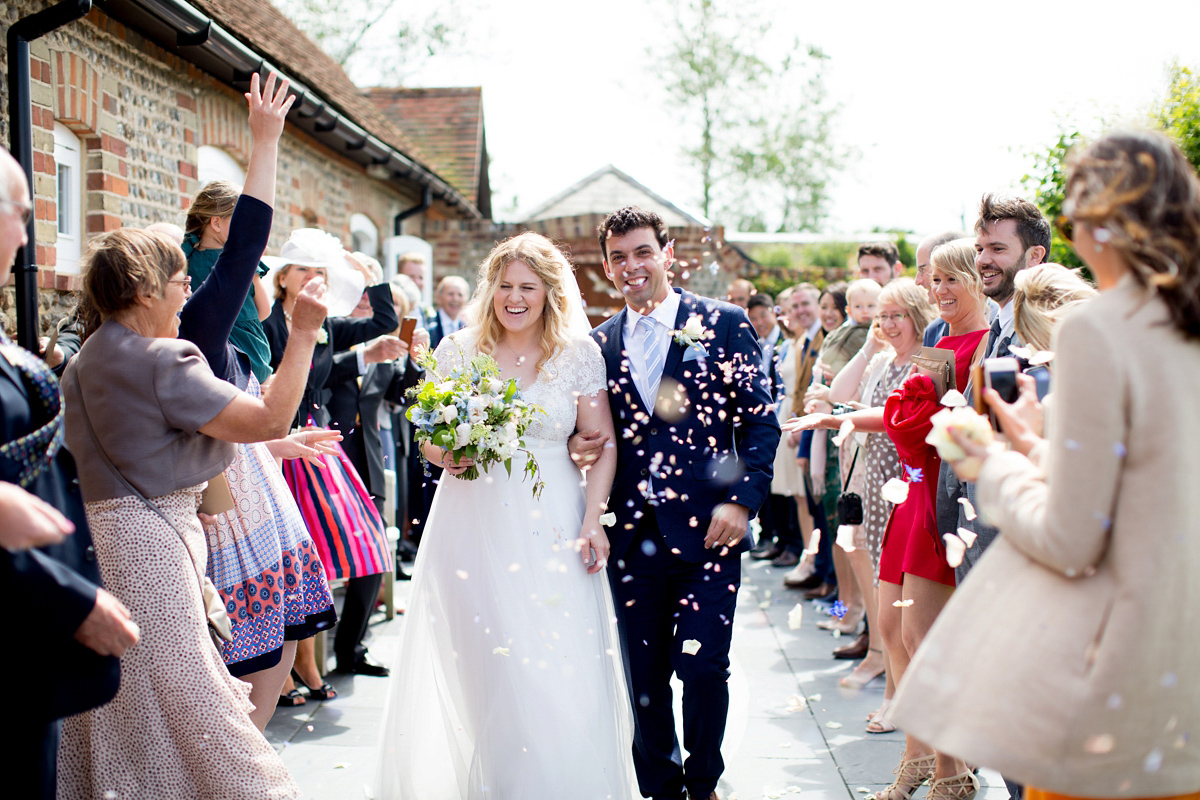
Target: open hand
column 384, row 348
column 28, row 521
column 309, row 445
column 309, row 312
column 420, row 342
column 812, row 422
column 268, row 109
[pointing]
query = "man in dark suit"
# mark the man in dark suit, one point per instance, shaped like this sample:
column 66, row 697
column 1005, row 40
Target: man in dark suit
column 695, row 453
column 65, row 630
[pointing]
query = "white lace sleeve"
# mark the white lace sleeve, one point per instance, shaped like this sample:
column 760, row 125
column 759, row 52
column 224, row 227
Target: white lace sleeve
column 584, row 368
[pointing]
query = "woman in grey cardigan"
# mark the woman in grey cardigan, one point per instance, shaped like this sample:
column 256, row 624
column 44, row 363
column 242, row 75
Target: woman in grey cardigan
column 1062, row 661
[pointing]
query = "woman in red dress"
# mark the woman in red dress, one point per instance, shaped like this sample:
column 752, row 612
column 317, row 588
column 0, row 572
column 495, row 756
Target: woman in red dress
column 912, row 567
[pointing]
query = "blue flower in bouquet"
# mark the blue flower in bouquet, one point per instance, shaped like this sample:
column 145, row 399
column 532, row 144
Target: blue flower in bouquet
column 472, row 412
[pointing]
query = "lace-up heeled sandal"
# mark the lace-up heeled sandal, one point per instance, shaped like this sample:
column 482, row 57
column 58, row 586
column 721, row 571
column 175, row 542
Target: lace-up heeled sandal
column 963, row 786
column 910, row 776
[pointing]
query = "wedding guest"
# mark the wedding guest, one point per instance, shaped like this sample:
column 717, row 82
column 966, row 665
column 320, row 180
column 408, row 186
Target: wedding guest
column 1043, row 296
column 937, row 328
column 879, row 261
column 70, row 629
column 1011, row 235
column 344, row 523
column 877, row 370
column 739, row 293
column 912, row 562
column 1088, row 531
column 208, row 221
column 412, row 266
column 260, row 555
column 451, row 298
column 149, row 424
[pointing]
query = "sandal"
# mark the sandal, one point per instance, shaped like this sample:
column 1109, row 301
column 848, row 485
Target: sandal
column 876, row 722
column 910, row 775
column 962, row 786
column 856, row 681
column 322, row 692
column 291, row 699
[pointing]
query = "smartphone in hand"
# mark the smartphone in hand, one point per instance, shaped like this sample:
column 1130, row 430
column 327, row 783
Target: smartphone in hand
column 1000, row 374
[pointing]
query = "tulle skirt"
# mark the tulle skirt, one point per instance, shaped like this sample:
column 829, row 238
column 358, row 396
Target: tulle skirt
column 509, row 682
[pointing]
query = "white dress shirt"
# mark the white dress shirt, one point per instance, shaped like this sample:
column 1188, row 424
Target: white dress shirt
column 663, row 317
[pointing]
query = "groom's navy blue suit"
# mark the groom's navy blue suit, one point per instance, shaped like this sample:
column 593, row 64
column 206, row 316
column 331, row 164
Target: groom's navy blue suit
column 710, row 439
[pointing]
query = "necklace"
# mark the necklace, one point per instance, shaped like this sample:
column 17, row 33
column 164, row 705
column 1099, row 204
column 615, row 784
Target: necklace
column 519, row 356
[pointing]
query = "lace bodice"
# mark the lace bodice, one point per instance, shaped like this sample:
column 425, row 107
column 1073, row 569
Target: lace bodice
column 576, row 370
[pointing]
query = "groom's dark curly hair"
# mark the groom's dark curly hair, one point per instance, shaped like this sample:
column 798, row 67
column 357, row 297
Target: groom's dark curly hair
column 627, row 219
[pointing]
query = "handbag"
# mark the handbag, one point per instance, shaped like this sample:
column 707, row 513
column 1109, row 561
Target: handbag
column 219, row 627
column 849, row 504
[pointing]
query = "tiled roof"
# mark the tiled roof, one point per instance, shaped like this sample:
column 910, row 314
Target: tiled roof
column 448, row 125
column 263, row 28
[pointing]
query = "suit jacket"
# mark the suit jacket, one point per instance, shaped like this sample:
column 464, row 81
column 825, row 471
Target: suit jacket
column 47, row 593
column 806, row 359
column 354, row 410
column 341, row 333
column 713, row 429
column 1065, row 660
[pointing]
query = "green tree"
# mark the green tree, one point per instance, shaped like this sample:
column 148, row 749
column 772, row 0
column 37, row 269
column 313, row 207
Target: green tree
column 763, row 145
column 1179, row 116
column 1047, row 180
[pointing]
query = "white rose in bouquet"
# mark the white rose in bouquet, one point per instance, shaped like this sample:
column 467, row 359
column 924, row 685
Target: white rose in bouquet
column 449, row 414
column 462, row 435
column 477, row 408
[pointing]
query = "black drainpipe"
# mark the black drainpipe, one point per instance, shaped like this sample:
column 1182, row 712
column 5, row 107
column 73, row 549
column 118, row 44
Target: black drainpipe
column 426, row 202
column 20, row 126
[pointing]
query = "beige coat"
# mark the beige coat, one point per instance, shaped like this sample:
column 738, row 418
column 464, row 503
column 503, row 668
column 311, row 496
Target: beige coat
column 1069, row 659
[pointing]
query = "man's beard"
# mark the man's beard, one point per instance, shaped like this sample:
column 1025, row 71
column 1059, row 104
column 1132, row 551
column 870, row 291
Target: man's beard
column 1007, row 286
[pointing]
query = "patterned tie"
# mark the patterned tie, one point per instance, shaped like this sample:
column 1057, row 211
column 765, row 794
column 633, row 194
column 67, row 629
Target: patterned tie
column 651, row 358
column 993, row 335
column 30, row 455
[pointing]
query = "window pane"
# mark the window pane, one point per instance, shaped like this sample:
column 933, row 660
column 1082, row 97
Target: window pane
column 64, row 199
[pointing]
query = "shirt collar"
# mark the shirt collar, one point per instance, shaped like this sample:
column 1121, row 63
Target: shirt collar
column 1006, row 316
column 812, row 331
column 664, row 313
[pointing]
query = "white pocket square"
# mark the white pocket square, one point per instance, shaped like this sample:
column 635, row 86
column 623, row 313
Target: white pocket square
column 694, row 352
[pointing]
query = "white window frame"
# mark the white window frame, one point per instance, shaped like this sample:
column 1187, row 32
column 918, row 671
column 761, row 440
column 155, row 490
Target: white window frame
column 69, row 194
column 214, row 164
column 364, row 233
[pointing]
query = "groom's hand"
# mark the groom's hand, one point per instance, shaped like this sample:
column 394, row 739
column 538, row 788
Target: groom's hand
column 585, row 447
column 728, row 525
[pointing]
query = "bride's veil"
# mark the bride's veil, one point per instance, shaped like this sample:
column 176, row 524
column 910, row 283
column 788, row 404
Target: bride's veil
column 577, row 320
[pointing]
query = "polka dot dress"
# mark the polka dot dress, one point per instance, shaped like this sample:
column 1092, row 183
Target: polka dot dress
column 179, row 725
column 882, row 464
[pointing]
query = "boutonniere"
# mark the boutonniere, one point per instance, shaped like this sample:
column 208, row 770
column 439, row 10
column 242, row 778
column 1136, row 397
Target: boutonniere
column 322, row 336
column 692, row 332
column 690, row 336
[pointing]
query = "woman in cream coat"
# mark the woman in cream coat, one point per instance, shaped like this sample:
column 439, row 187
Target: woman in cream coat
column 1065, row 660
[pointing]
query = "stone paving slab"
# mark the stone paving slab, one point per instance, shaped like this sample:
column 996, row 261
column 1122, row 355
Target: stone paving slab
column 821, row 752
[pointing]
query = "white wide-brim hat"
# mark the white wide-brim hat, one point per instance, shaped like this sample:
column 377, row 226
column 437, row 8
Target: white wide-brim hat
column 312, row 247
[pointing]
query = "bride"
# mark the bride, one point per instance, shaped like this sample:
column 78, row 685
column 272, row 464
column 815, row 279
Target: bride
column 510, row 682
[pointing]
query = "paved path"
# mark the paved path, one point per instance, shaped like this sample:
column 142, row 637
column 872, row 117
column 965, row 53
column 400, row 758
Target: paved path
column 817, row 753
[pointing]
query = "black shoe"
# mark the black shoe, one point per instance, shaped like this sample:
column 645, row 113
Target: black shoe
column 788, row 558
column 407, row 550
column 401, row 575
column 365, row 666
column 763, row 546
column 772, row 552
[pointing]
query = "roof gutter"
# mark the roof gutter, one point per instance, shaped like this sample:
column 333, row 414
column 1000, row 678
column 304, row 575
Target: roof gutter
column 20, row 122
column 398, row 222
column 180, row 28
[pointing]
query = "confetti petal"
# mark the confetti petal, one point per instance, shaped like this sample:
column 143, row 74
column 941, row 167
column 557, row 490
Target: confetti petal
column 845, row 537
column 796, row 617
column 608, row 520
column 1100, row 744
column 814, row 542
column 967, row 535
column 462, row 574
column 953, row 399
column 691, row 646
column 903, row 603
column 833, row 725
column 795, row 703
column 895, row 491
column 968, row 509
column 956, row 549
column 499, row 651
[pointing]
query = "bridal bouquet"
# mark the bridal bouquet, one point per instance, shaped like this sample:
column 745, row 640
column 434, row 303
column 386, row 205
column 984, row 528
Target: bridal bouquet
column 473, row 413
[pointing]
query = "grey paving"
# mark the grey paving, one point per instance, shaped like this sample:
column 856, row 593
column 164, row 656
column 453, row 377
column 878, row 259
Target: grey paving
column 821, row 752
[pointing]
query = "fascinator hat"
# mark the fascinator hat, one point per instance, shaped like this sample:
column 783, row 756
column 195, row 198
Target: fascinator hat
column 312, row 247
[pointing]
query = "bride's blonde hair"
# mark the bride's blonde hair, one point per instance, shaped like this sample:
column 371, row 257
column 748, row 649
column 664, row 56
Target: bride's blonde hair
column 549, row 264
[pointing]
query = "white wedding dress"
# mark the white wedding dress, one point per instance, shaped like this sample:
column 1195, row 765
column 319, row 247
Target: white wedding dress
column 509, row 683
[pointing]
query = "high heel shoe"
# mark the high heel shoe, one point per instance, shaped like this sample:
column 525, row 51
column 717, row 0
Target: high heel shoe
column 848, row 624
column 910, row 775
column 878, row 722
column 963, row 786
column 322, row 692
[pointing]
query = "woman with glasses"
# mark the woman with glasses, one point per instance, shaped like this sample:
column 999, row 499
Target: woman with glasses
column 1078, row 683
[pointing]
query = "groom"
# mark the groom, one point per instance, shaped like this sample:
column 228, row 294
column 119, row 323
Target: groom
column 696, row 441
